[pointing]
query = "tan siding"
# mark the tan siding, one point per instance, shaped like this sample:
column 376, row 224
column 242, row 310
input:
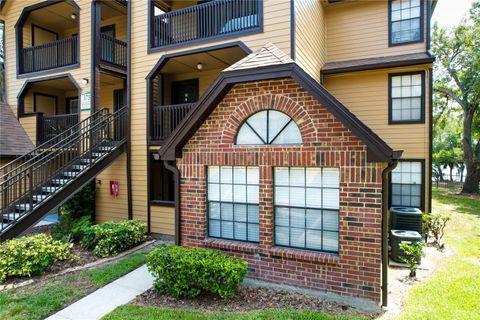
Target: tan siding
column 30, row 126
column 109, row 208
column 360, row 30
column 120, row 23
column 310, row 36
column 204, row 80
column 366, row 95
column 162, row 220
column 12, row 13
column 276, row 30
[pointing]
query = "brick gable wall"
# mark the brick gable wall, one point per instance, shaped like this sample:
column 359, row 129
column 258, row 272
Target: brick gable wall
column 356, row 270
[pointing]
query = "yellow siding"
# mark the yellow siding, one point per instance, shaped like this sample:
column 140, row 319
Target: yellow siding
column 360, row 30
column 162, row 220
column 276, row 30
column 366, row 95
column 30, row 125
column 12, row 12
column 109, row 208
column 310, row 36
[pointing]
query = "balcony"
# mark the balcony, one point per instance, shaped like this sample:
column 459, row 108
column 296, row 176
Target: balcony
column 166, row 118
column 208, row 21
column 50, row 55
column 51, row 126
column 113, row 51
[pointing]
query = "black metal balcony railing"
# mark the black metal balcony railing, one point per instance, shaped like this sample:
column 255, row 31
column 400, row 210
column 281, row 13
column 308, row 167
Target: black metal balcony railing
column 206, row 20
column 50, row 55
column 114, row 51
column 166, row 118
column 52, row 126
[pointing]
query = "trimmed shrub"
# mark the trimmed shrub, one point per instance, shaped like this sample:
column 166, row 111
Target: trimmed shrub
column 75, row 214
column 412, row 256
column 32, row 255
column 188, row 272
column 111, row 238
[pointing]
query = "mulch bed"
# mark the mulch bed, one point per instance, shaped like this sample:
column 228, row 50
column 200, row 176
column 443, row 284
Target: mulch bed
column 247, row 299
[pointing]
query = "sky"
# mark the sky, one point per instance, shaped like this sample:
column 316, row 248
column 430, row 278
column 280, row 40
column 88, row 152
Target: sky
column 448, row 13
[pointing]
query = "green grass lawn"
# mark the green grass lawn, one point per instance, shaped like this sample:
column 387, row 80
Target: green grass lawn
column 39, row 300
column 133, row 312
column 454, row 290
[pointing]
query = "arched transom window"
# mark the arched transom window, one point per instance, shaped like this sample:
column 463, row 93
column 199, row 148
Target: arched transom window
column 269, row 127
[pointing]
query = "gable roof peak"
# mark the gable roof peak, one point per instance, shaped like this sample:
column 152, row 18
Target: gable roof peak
column 268, row 55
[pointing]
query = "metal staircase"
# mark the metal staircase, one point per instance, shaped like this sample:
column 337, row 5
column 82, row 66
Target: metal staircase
column 36, row 183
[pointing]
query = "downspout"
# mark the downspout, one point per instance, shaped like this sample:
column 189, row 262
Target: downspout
column 385, row 197
column 176, row 174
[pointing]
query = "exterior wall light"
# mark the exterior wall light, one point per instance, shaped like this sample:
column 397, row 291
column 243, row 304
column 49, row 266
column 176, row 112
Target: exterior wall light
column 73, row 16
column 199, row 66
column 84, row 81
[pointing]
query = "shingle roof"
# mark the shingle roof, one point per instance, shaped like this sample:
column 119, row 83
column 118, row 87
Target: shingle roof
column 14, row 140
column 377, row 63
column 268, row 55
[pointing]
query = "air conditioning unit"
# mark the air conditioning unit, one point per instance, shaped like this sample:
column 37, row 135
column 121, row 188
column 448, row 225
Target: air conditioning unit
column 397, row 237
column 404, row 218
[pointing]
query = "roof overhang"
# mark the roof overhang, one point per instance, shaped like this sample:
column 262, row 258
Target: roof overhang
column 403, row 60
column 377, row 149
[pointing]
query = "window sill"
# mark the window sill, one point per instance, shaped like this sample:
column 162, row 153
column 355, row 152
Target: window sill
column 231, row 245
column 162, row 203
column 305, row 255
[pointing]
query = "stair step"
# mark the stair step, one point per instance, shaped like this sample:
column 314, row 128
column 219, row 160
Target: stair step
column 98, row 154
column 23, row 206
column 70, row 174
column 50, row 189
column 79, row 167
column 11, row 216
column 60, row 181
column 87, row 161
column 39, row 197
column 105, row 148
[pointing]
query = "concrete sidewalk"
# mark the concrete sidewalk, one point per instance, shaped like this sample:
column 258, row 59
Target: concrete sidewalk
column 104, row 300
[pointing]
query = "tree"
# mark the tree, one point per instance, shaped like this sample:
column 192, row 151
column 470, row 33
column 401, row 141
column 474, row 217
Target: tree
column 457, row 77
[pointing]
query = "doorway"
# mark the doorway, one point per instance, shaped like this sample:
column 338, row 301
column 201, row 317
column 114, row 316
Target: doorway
column 185, row 91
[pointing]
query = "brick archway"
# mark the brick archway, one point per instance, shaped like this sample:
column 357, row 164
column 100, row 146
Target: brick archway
column 274, row 102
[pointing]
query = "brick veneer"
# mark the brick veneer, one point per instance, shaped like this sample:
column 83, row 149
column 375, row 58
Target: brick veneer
column 356, row 270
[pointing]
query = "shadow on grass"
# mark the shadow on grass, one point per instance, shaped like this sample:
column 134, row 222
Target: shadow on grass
column 460, row 202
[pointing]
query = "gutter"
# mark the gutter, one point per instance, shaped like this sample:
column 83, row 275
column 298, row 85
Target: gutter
column 391, row 166
column 171, row 166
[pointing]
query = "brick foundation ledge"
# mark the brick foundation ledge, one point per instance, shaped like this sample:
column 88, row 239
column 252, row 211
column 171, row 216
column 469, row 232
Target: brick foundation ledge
column 305, row 255
column 231, row 245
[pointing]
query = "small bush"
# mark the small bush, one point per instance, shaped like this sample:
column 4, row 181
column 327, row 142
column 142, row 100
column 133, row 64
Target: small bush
column 111, row 238
column 412, row 253
column 190, row 271
column 32, row 255
column 75, row 215
column 434, row 225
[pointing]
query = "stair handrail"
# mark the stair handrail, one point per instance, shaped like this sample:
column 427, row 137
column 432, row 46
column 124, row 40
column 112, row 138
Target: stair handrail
column 75, row 135
column 39, row 150
column 84, row 142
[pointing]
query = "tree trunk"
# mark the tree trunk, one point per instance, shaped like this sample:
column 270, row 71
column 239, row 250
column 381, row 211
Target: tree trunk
column 472, row 179
column 472, row 163
column 451, row 173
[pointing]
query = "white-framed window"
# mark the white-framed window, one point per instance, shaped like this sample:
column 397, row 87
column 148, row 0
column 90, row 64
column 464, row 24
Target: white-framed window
column 232, row 197
column 307, row 202
column 268, row 127
column 407, row 184
column 406, row 97
column 405, row 21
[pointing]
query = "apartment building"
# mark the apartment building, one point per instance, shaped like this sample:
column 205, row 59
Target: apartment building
column 280, row 131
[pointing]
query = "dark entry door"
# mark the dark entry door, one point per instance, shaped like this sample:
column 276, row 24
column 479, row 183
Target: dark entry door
column 118, row 99
column 108, row 43
column 185, row 91
column 72, row 105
